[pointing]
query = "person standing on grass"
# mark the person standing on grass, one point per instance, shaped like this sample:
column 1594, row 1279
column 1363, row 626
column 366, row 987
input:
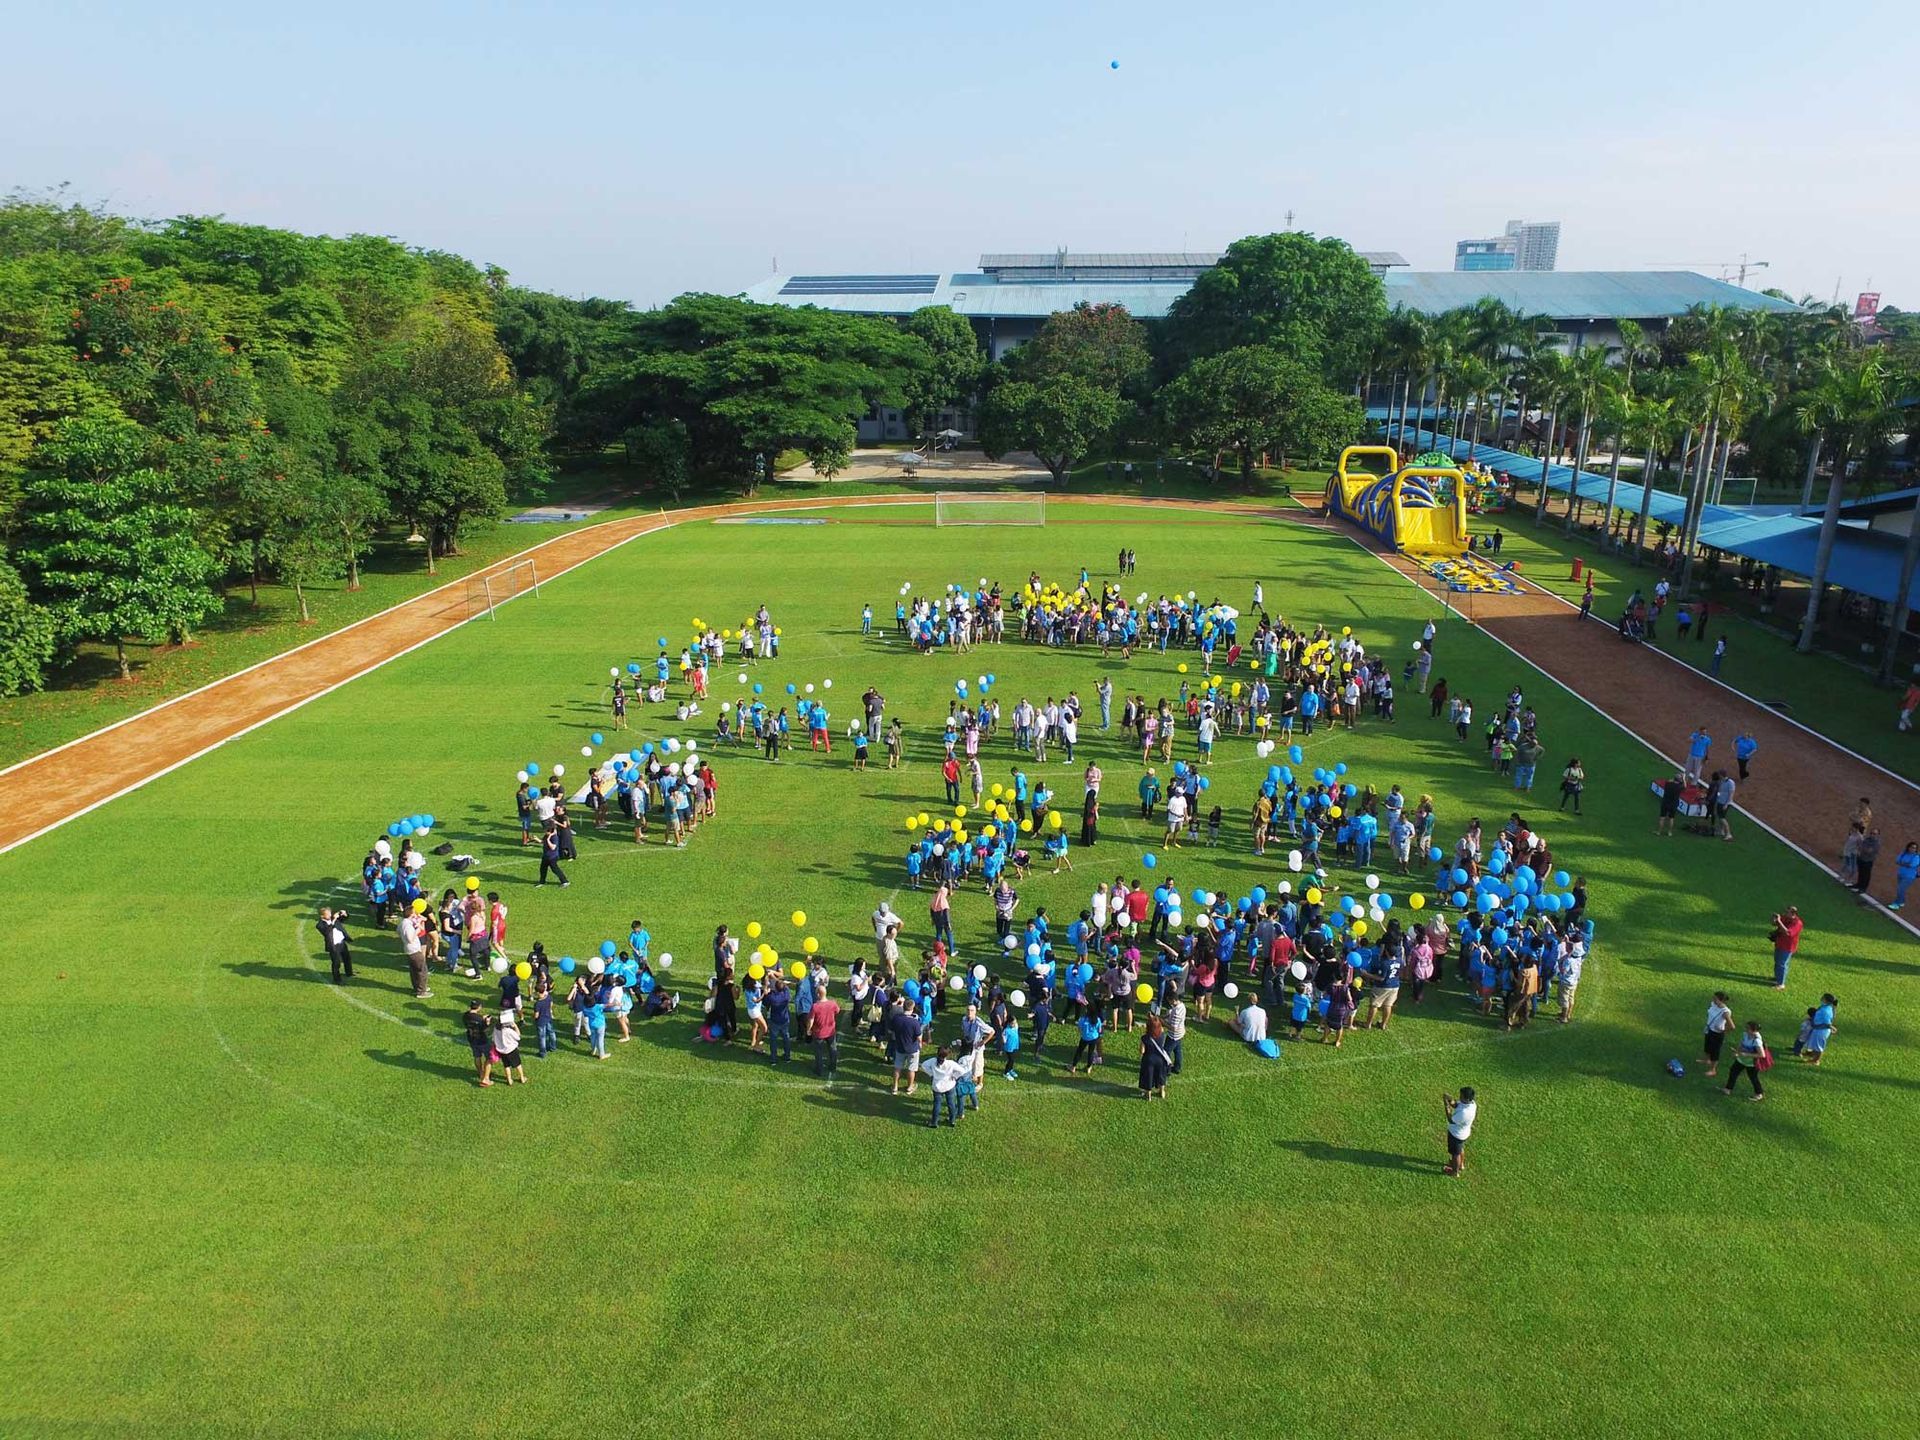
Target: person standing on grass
column 1719, row 1022
column 945, row 1072
column 506, row 1047
column 1156, row 1060
column 479, row 1027
column 1750, row 1058
column 1786, row 943
column 1820, row 1030
column 1669, row 805
column 1699, row 743
column 550, row 856
column 1744, row 747
column 1719, row 653
column 333, row 936
column 413, row 942
column 823, row 1028
column 1460, row 1117
column 1573, row 780
column 1720, row 803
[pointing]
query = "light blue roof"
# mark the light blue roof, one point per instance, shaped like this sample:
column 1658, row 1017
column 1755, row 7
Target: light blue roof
column 1558, row 294
column 1573, row 294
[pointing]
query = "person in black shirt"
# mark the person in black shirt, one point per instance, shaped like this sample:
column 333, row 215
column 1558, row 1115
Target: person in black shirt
column 480, row 1040
column 550, row 855
column 333, row 935
column 1669, row 805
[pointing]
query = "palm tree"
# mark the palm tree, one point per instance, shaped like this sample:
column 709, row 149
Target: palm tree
column 1589, row 374
column 1852, row 407
column 1408, row 331
column 1658, row 423
column 1717, row 375
column 1517, row 370
column 1445, row 340
column 1549, row 383
column 1634, row 350
column 1475, row 377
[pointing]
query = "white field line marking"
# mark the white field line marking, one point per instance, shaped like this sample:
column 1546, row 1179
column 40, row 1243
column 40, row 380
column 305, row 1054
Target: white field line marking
column 1631, row 734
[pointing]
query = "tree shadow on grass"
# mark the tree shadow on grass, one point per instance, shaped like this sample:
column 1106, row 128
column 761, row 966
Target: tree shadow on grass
column 1352, row 1155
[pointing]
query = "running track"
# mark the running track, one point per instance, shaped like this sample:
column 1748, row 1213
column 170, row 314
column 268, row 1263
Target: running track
column 1803, row 786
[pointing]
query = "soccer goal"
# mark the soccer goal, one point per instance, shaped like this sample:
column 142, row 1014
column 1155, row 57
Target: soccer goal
column 496, row 587
column 990, row 509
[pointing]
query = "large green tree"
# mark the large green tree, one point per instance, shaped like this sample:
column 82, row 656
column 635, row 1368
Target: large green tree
column 951, row 376
column 1313, row 299
column 1256, row 399
column 106, row 546
column 1058, row 417
column 27, row 639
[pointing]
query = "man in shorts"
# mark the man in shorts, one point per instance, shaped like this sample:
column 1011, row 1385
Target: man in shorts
column 903, row 1043
column 480, row 1040
column 1669, row 804
column 1460, row 1117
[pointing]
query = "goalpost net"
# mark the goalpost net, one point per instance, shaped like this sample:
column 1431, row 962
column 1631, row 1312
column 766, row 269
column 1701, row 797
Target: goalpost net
column 496, row 587
column 990, row 509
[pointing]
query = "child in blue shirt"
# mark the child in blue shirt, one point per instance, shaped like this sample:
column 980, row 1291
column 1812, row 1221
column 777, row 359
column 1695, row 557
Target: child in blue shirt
column 1302, row 1007
column 1089, row 1047
column 914, row 862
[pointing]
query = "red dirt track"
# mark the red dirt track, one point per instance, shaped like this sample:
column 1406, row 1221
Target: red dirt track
column 1803, row 787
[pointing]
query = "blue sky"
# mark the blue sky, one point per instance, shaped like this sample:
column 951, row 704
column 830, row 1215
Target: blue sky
column 641, row 150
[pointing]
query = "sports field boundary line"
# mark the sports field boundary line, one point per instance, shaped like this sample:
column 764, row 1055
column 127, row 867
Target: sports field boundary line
column 662, row 520
column 1633, row 734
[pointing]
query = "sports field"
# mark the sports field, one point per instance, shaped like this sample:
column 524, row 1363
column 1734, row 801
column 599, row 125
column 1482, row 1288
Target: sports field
column 239, row 1200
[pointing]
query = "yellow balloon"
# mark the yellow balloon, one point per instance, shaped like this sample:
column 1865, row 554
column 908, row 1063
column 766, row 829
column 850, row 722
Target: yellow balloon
column 1143, row 993
column 1026, row 827
column 772, row 959
column 1000, row 812
column 1418, row 902
column 756, row 971
column 1053, row 819
column 523, row 970
column 473, row 883
column 986, row 832
column 726, row 634
column 940, row 825
column 1333, row 812
column 810, row 945
column 959, row 812
column 799, row 918
column 994, row 789
column 923, row 817
column 1313, row 894
column 798, row 970
column 1359, row 929
column 913, row 823
column 1346, row 629
column 1181, row 667
column 419, row 907
column 753, row 929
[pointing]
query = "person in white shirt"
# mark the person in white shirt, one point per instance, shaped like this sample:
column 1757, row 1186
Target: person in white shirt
column 1176, row 818
column 1719, row 1022
column 1571, row 963
column 1460, row 1115
column 1251, row 1022
column 945, row 1072
column 413, row 940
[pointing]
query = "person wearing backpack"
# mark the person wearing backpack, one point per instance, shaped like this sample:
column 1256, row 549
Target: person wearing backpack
column 1752, row 1057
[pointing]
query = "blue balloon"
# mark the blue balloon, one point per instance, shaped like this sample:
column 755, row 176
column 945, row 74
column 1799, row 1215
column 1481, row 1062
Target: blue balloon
column 647, row 749
column 1179, row 767
column 1113, row 64
column 1562, row 879
column 756, row 687
column 567, row 963
column 1499, row 937
column 633, row 667
column 1520, row 904
column 1486, row 904
column 1460, row 897
column 663, row 642
column 1086, row 973
column 1259, row 896
column 532, row 769
column 1199, row 897
column 1149, row 860
column 1273, row 773
column 1159, row 894
column 1352, row 790
column 1385, row 902
column 791, row 688
column 1341, row 769
column 428, row 821
column 607, row 949
column 394, row 829
column 1286, row 775
column 1205, row 783
column 634, row 755
column 1550, row 904
column 1459, row 876
column 598, row 738
column 911, row 989
column 1434, row 853
column 1295, row 754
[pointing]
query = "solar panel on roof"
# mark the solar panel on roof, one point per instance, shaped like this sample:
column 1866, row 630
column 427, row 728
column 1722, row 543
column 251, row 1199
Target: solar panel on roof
column 861, row 285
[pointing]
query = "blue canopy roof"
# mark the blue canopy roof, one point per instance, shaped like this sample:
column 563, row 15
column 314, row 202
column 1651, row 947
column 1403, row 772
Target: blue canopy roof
column 1864, row 561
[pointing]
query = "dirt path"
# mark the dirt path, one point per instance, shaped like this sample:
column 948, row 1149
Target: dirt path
column 1802, row 786
column 51, row 788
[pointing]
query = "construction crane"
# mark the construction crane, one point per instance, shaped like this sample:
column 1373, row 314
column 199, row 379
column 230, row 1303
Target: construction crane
column 1728, row 269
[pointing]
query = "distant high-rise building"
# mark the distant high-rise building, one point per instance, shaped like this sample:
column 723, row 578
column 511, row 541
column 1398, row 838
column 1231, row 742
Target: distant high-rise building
column 1526, row 245
column 1536, row 243
column 1494, row 254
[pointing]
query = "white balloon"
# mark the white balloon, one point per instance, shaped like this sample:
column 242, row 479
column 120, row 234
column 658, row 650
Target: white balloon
column 1373, row 882
column 693, row 744
column 954, row 982
column 674, row 768
column 1294, row 860
column 595, row 965
column 979, row 972
column 420, row 832
column 1009, row 942
column 826, row 684
column 499, row 964
column 586, row 749
column 614, row 671
column 725, row 706
column 1285, row 887
column 809, row 687
column 1018, row 999
column 522, row 777
column 741, row 677
column 666, row 961
column 1202, row 921
column 1229, row 990
column 558, row 771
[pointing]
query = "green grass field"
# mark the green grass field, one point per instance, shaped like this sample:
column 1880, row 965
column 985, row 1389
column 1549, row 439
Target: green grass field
column 239, row 1200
